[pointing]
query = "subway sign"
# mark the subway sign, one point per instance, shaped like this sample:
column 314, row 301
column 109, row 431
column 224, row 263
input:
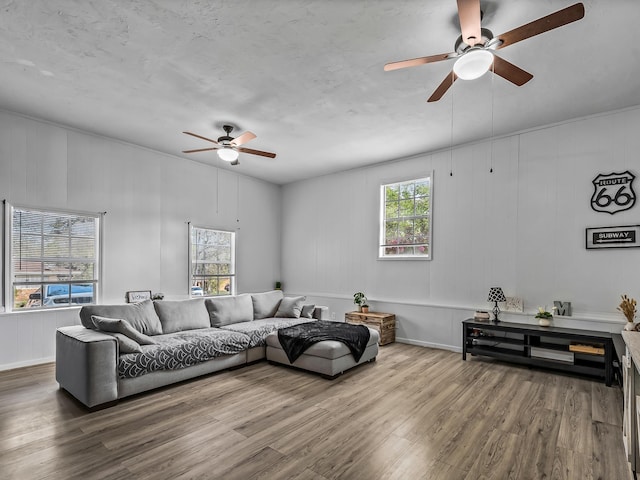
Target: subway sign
column 613, row 237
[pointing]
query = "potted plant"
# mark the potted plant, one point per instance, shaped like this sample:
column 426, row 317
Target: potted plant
column 544, row 317
column 360, row 299
column 628, row 308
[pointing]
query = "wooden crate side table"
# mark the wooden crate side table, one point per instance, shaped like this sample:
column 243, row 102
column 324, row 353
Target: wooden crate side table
column 384, row 323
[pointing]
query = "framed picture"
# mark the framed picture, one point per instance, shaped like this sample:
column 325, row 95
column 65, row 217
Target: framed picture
column 138, row 296
column 514, row 304
column 613, row 237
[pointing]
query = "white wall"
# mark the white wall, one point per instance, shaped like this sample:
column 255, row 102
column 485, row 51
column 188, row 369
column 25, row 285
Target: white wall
column 149, row 197
column 521, row 227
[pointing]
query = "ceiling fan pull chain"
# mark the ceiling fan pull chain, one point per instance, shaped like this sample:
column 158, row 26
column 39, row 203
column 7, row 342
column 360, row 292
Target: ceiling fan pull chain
column 493, row 72
column 451, row 139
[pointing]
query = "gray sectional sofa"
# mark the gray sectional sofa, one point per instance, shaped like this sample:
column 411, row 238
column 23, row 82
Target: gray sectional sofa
column 163, row 342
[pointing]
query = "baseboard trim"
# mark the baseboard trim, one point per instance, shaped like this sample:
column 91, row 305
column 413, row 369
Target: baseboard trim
column 27, row 363
column 419, row 343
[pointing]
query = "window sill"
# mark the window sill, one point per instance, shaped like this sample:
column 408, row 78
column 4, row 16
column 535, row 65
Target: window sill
column 405, row 258
column 3, row 311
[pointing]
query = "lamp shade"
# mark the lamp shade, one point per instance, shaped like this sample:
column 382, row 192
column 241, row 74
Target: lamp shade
column 227, row 154
column 496, row 295
column 473, row 64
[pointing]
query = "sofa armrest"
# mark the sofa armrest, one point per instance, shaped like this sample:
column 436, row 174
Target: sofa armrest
column 86, row 364
column 321, row 312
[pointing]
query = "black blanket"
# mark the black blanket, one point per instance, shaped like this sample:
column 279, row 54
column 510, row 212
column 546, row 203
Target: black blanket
column 295, row 340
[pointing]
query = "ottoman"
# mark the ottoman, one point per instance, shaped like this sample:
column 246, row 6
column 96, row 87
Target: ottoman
column 329, row 358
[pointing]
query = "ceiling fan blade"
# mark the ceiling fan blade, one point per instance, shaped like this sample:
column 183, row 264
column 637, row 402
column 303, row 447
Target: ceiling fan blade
column 469, row 13
column 200, row 150
column 201, row 137
column 257, row 152
column 558, row 19
column 244, row 138
column 510, row 72
column 418, row 61
column 443, row 87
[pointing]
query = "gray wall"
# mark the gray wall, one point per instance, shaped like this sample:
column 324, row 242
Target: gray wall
column 521, row 227
column 149, row 197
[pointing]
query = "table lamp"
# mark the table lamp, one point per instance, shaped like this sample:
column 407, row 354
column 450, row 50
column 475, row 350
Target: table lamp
column 496, row 295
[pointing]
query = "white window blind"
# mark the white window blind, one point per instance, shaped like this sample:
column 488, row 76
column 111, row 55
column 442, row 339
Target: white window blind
column 54, row 258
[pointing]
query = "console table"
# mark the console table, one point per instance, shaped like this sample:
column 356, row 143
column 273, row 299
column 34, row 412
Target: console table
column 585, row 352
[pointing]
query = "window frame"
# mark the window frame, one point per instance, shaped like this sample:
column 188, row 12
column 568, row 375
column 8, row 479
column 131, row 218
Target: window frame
column 9, row 273
column 233, row 270
column 383, row 219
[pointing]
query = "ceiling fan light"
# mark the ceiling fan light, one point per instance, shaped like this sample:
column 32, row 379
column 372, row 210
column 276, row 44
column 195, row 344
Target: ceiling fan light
column 227, row 154
column 473, row 64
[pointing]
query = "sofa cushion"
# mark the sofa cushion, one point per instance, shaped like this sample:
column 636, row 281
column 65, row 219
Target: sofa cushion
column 265, row 305
column 258, row 330
column 227, row 310
column 142, row 316
column 307, row 311
column 118, row 325
column 180, row 315
column 290, row 307
column 180, row 350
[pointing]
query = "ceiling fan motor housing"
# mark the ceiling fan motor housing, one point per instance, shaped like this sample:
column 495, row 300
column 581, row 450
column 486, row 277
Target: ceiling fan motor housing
column 461, row 47
column 226, row 139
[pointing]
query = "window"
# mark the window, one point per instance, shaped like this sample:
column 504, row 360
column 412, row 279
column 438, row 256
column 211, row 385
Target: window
column 212, row 268
column 405, row 227
column 53, row 258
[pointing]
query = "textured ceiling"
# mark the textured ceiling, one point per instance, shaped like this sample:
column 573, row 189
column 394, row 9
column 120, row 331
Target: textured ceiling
column 304, row 75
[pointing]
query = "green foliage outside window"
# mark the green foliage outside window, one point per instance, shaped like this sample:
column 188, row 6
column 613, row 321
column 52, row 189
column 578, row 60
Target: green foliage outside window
column 407, row 219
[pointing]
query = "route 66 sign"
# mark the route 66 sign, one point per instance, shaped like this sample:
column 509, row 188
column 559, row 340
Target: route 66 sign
column 613, row 192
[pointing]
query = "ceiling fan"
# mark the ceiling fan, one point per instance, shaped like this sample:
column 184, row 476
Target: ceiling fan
column 474, row 48
column 227, row 147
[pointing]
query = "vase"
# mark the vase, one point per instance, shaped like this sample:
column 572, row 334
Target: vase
column 365, row 309
column 544, row 322
column 629, row 326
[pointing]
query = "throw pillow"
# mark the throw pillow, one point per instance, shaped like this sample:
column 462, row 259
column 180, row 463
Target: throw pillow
column 290, row 307
column 307, row 311
column 118, row 325
column 265, row 305
column 125, row 344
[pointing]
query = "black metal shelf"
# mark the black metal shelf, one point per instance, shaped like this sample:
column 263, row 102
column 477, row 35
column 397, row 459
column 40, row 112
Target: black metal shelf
column 491, row 338
column 479, row 338
column 551, row 346
column 496, row 352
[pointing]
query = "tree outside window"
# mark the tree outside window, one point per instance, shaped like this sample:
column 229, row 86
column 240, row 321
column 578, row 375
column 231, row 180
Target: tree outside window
column 212, row 262
column 405, row 230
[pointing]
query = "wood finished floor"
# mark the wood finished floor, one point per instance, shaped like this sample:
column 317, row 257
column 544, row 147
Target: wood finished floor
column 416, row 413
